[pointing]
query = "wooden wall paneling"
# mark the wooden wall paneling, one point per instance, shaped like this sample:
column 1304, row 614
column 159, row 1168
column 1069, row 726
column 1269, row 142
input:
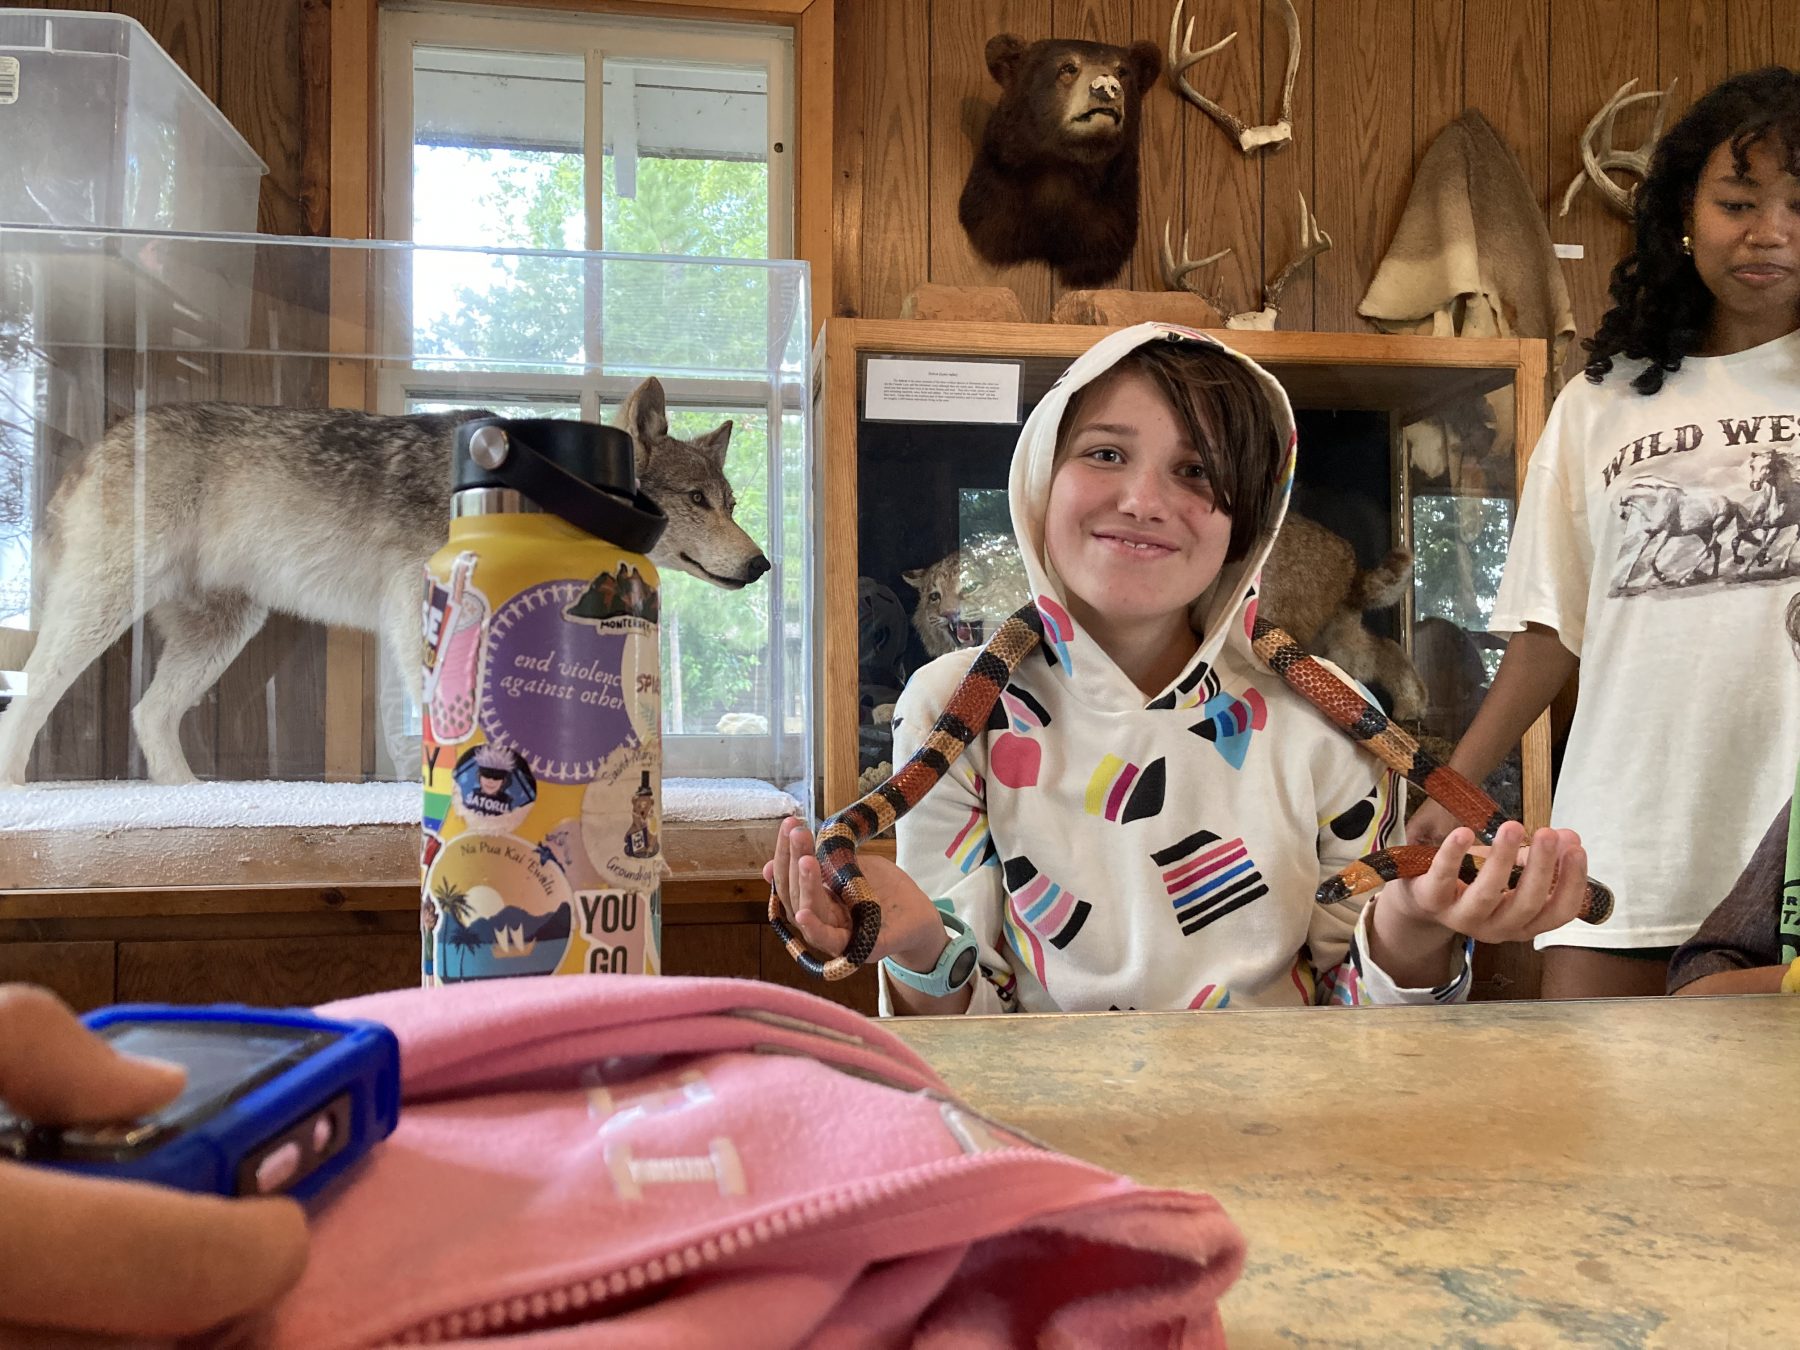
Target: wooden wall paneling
column 849, row 125
column 1439, row 93
column 1761, row 33
column 962, row 93
column 1362, row 112
column 297, row 971
column 315, row 116
column 1506, row 69
column 79, row 973
column 1691, row 48
column 777, row 967
column 898, row 98
column 1097, row 21
column 188, row 30
column 728, row 950
column 272, row 697
column 1291, row 171
column 260, row 91
column 1221, row 187
column 1595, row 46
column 1162, row 153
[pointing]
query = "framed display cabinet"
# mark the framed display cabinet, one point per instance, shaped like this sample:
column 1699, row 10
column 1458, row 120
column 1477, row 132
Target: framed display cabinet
column 1412, row 441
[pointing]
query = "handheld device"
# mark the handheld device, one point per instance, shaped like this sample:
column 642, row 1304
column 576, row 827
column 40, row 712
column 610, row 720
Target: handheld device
column 277, row 1102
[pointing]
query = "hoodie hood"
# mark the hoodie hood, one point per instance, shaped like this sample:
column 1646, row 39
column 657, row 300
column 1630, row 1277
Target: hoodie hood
column 1222, row 614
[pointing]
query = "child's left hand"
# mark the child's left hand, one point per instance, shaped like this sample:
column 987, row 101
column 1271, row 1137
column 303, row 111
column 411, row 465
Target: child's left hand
column 1550, row 892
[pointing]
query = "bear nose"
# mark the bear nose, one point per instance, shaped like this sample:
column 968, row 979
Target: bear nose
column 758, row 565
column 1106, row 88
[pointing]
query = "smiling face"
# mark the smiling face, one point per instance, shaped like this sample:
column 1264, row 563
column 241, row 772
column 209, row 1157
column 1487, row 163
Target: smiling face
column 1131, row 526
column 1745, row 232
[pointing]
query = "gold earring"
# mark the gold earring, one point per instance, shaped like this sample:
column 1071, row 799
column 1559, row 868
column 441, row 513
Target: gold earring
column 1687, row 245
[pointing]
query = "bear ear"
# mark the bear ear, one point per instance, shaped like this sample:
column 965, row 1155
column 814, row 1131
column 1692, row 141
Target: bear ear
column 1146, row 63
column 1003, row 53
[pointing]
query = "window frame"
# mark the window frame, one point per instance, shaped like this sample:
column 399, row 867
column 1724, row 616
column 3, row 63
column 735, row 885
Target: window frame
column 596, row 38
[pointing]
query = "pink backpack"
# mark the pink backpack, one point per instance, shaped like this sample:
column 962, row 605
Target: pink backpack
column 659, row 1162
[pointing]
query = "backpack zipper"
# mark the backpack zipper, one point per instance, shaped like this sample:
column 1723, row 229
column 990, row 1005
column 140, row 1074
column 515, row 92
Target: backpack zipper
column 519, row 1312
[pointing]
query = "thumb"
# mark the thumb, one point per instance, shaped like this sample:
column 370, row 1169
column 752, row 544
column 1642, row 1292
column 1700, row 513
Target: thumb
column 54, row 1071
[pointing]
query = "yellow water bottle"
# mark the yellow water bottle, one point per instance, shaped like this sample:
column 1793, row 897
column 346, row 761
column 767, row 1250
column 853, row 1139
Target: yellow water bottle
column 541, row 852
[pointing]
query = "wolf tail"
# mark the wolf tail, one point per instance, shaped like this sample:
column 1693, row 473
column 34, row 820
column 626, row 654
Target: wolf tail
column 1384, row 584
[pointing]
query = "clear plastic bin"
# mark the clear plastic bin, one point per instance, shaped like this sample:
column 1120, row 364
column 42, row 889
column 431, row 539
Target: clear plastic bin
column 100, row 127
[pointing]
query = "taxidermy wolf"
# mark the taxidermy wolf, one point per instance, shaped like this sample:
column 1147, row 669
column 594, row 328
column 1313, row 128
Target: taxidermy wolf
column 206, row 516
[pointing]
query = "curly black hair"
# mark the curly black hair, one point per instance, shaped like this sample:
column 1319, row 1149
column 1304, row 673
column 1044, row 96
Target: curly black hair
column 1661, row 309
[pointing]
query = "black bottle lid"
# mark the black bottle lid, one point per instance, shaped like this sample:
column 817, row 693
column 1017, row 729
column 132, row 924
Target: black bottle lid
column 581, row 471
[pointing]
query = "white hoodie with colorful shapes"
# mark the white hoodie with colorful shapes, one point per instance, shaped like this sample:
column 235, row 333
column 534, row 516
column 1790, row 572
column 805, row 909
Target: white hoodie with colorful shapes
column 1113, row 851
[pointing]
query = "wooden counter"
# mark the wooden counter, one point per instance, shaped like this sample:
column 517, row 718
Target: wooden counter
column 1603, row 1173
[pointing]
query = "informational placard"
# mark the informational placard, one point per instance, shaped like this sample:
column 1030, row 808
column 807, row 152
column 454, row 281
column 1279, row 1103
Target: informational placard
column 901, row 390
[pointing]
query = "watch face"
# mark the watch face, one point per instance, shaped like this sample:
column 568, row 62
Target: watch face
column 963, row 967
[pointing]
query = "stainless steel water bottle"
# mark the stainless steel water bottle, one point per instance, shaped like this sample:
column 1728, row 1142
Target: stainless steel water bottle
column 541, row 852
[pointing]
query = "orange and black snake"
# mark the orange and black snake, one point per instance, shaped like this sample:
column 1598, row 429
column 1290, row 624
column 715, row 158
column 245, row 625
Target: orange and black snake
column 966, row 715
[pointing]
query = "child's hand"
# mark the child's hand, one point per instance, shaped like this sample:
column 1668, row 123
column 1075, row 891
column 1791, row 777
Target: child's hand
column 1430, row 824
column 912, row 930
column 118, row 1258
column 1550, row 892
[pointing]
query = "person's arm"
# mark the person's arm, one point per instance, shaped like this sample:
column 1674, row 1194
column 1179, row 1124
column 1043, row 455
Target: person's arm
column 81, row 1254
column 1760, row 980
column 1737, row 950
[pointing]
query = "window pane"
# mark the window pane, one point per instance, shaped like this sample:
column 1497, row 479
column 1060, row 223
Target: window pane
column 686, row 172
column 497, row 161
column 717, row 667
column 500, row 406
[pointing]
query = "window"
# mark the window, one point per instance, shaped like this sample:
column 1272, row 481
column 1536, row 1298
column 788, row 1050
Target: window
column 564, row 133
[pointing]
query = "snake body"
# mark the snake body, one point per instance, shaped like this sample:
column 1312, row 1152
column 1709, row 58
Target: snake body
column 966, row 714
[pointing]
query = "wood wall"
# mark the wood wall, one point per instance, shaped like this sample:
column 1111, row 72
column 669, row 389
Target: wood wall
column 1378, row 80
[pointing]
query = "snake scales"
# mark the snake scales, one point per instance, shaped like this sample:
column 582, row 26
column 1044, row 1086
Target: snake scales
column 967, row 713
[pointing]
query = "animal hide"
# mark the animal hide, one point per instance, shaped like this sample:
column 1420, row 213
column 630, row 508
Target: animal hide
column 1472, row 257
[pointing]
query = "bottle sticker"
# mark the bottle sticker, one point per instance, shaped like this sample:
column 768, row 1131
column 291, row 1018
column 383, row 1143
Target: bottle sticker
column 562, row 670
column 503, row 908
column 455, row 625
column 494, row 789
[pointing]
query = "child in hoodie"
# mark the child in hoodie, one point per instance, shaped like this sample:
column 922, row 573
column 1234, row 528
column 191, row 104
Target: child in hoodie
column 1144, row 821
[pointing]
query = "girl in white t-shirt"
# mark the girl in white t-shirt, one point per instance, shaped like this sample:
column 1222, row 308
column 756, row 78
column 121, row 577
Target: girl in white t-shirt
column 1145, row 819
column 1657, row 541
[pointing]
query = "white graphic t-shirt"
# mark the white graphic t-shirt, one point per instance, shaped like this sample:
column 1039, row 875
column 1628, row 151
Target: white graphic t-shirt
column 1660, row 537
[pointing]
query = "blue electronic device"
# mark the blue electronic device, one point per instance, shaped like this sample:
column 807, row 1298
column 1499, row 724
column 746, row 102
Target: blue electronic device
column 277, row 1102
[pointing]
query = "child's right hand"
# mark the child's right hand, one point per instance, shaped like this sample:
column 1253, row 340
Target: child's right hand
column 912, row 930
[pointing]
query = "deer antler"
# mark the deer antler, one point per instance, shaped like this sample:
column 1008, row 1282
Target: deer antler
column 1313, row 241
column 1597, row 165
column 1176, row 274
column 1182, row 58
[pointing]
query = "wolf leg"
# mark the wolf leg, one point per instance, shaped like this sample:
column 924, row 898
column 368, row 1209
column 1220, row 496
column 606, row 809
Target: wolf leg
column 200, row 638
column 85, row 610
column 400, row 601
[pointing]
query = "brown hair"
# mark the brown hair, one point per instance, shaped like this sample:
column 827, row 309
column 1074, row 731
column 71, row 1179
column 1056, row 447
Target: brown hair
column 1225, row 412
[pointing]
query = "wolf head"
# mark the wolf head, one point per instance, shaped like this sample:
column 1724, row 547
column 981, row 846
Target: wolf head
column 687, row 479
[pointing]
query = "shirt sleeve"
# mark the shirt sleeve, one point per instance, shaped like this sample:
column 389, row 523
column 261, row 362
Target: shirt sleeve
column 1364, row 814
column 1742, row 933
column 943, row 842
column 1550, row 561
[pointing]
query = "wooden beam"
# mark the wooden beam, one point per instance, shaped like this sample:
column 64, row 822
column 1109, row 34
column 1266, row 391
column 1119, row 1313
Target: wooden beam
column 815, row 43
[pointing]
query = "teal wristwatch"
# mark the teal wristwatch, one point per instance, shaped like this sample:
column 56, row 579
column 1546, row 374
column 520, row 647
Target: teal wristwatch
column 954, row 969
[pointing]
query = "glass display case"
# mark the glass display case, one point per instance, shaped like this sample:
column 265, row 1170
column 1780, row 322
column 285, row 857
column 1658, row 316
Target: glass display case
column 1406, row 443
column 165, row 401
